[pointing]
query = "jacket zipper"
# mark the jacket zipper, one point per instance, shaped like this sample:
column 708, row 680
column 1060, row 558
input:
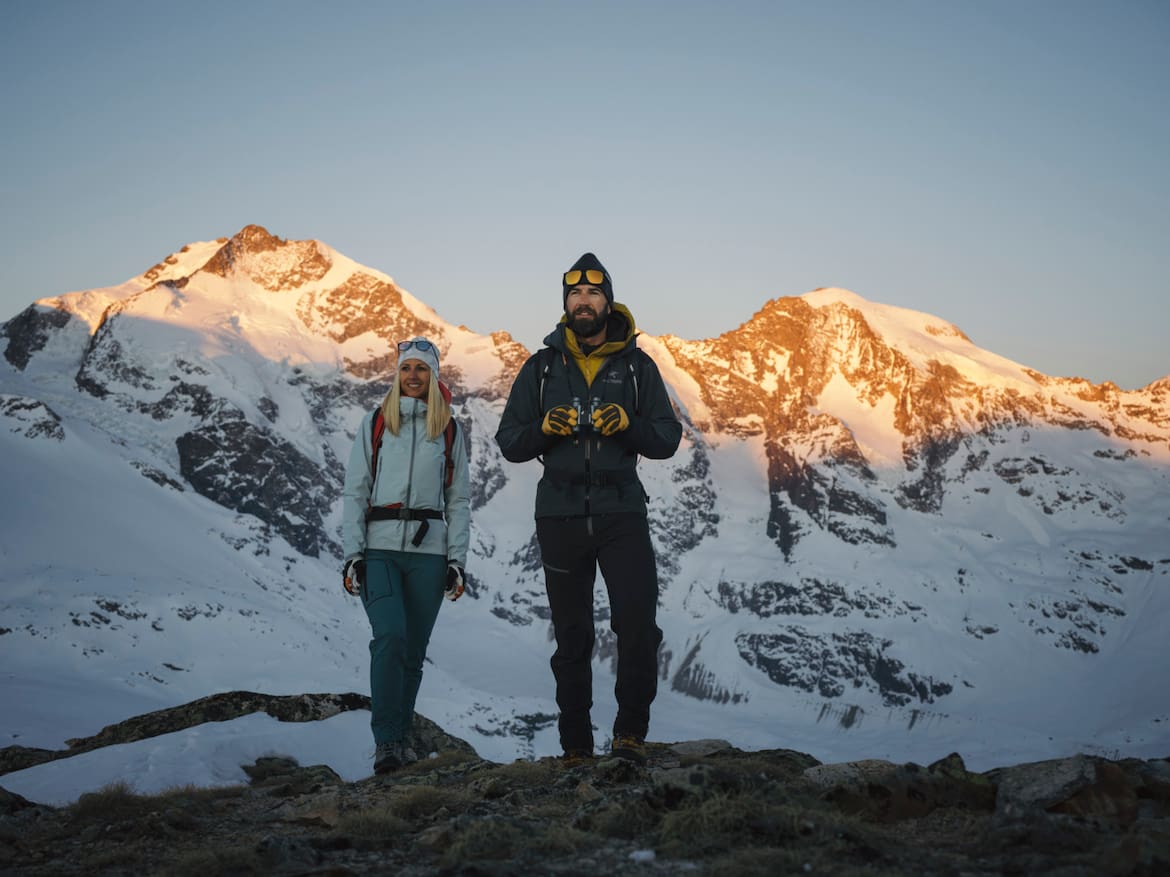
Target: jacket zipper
column 588, row 486
column 410, row 471
column 589, row 440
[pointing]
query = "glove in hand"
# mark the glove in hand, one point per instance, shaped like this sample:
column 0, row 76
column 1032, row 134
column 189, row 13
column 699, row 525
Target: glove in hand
column 610, row 418
column 561, row 420
column 353, row 574
column 454, row 589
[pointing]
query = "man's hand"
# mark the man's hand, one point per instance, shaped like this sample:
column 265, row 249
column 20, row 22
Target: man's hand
column 353, row 574
column 610, row 418
column 454, row 589
column 561, row 420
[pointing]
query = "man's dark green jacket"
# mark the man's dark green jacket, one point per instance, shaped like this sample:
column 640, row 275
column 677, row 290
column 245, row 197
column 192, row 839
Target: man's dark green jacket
column 587, row 473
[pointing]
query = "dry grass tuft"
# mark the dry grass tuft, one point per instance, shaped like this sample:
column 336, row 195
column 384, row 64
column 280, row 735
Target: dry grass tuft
column 495, row 839
column 446, row 759
column 485, row 839
column 719, row 821
column 111, row 802
column 119, row 803
column 421, row 802
column 379, row 827
column 625, row 819
column 524, row 773
column 235, row 860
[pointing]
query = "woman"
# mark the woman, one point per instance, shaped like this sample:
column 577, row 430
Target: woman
column 405, row 530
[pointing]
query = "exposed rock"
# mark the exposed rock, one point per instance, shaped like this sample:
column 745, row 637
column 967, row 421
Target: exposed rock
column 253, row 470
column 31, row 418
column 696, row 806
column 1084, row 786
column 700, row 747
column 427, row 736
column 11, row 803
column 824, row 663
column 886, row 792
column 29, row 331
column 269, row 261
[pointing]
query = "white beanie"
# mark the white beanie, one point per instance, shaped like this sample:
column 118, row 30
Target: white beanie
column 422, row 350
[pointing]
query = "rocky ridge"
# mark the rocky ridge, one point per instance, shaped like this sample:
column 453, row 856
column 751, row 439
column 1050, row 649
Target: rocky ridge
column 698, row 806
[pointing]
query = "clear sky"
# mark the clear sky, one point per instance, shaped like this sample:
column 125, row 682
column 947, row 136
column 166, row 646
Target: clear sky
column 1002, row 164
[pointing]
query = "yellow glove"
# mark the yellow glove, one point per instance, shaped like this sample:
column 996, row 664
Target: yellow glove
column 610, row 418
column 561, row 420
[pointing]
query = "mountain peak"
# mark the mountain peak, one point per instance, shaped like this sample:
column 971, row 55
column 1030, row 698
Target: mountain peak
column 256, row 238
column 269, row 261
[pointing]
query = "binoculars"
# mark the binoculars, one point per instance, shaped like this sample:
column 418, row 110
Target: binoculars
column 585, row 414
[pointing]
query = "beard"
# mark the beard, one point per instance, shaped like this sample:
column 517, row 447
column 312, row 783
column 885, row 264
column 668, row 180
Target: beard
column 586, row 324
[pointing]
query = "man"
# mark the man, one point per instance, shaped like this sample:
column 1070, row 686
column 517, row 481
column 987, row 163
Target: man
column 590, row 403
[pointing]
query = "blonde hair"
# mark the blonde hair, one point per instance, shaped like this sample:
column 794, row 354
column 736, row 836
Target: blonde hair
column 438, row 409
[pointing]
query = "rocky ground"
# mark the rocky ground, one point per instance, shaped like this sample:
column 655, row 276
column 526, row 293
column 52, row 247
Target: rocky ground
column 699, row 807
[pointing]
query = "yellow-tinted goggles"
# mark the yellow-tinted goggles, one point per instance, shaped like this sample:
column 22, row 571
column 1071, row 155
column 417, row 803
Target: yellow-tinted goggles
column 592, row 276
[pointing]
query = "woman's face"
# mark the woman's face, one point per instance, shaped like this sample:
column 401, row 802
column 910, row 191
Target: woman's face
column 414, row 378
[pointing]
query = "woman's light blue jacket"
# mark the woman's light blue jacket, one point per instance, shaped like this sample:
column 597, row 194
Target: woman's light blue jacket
column 411, row 471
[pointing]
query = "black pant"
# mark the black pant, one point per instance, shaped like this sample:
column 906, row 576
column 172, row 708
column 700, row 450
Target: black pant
column 572, row 549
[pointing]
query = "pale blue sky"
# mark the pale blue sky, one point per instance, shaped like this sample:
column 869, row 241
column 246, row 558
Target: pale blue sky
column 1002, row 164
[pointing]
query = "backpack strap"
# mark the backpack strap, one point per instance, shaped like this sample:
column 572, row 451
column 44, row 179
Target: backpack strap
column 547, row 355
column 449, row 433
column 377, row 430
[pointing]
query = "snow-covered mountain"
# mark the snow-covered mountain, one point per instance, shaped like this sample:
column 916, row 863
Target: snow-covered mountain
column 876, row 540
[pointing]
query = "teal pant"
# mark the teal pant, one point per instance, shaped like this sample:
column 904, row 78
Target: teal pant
column 402, row 596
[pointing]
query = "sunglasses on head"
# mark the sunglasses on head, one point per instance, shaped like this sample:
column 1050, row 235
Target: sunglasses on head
column 420, row 343
column 592, row 276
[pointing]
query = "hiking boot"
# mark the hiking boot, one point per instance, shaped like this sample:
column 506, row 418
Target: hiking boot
column 629, row 747
column 388, row 757
column 408, row 755
column 576, row 758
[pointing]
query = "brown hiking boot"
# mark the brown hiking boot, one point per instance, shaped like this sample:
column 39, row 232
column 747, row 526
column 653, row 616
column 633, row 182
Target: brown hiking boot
column 576, row 758
column 629, row 747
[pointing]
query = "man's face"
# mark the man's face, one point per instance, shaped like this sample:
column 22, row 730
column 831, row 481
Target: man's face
column 587, row 309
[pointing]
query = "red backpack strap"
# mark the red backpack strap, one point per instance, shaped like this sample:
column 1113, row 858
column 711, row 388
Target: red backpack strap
column 448, row 443
column 377, row 429
column 448, row 438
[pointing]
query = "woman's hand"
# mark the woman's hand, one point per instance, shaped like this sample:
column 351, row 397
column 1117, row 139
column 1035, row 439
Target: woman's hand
column 454, row 589
column 353, row 574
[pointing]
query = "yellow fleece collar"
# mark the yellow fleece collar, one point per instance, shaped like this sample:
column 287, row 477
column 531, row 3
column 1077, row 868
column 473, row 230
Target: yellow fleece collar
column 591, row 363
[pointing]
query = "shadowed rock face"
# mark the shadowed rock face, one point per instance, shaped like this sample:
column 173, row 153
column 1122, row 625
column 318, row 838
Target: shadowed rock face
column 32, row 418
column 29, row 331
column 254, row 471
column 696, row 805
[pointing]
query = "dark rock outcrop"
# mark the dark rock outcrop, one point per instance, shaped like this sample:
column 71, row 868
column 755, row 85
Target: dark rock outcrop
column 254, row 471
column 697, row 806
column 29, row 331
